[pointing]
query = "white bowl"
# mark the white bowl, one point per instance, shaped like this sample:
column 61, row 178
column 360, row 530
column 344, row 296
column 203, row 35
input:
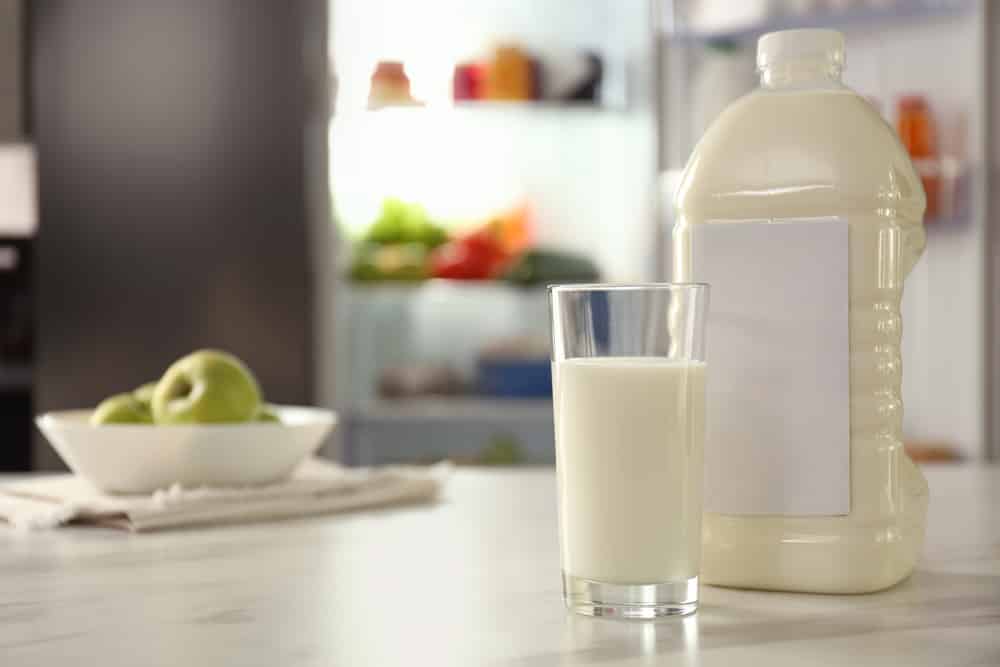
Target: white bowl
column 141, row 458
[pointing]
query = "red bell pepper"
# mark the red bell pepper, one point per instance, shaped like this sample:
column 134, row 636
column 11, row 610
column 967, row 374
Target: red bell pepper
column 478, row 256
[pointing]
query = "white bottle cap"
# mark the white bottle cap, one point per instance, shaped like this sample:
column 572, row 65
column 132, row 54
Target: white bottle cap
column 809, row 44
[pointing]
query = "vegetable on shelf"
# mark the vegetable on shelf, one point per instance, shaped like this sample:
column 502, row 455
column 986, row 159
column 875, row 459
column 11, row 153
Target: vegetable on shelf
column 399, row 262
column 540, row 266
column 486, row 252
column 397, row 245
column 478, row 256
column 401, row 222
column 514, row 229
column 404, row 245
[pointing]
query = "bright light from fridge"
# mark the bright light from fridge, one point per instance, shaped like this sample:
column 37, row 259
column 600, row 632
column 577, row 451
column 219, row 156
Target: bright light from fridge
column 449, row 162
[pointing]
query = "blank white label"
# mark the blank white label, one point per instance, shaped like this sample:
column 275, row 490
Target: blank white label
column 778, row 413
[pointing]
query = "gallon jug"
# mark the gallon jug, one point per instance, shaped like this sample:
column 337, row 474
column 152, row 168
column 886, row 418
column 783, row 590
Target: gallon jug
column 803, row 211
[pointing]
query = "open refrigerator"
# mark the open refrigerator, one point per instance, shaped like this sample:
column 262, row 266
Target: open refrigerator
column 426, row 367
column 598, row 176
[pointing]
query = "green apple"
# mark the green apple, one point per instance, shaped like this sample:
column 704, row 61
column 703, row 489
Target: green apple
column 207, row 386
column 267, row 414
column 121, row 409
column 144, row 394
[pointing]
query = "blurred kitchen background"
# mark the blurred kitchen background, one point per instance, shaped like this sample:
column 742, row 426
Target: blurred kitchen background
column 364, row 199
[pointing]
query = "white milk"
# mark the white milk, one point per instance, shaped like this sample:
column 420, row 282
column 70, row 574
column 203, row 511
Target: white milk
column 803, row 146
column 629, row 433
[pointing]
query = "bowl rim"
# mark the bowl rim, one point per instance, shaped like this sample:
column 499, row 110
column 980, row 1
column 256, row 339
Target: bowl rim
column 79, row 417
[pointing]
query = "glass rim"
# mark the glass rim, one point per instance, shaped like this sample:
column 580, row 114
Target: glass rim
column 628, row 287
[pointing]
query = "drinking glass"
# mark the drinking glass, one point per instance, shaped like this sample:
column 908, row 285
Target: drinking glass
column 628, row 379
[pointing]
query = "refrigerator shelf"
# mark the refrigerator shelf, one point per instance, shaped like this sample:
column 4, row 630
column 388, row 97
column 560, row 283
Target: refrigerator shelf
column 487, row 107
column 862, row 17
column 457, row 408
column 477, row 430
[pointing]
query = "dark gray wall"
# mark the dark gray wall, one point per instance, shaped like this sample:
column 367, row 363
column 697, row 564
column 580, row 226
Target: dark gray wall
column 172, row 192
column 11, row 12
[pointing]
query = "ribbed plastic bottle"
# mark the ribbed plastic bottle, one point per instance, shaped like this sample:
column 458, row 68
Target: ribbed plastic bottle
column 799, row 149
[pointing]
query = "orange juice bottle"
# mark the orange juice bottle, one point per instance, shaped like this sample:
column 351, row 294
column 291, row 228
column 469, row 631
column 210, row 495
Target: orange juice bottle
column 916, row 131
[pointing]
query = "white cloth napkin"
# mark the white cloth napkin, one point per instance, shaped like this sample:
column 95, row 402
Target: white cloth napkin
column 316, row 487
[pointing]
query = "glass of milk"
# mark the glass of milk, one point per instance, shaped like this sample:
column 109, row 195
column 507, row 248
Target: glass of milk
column 628, row 375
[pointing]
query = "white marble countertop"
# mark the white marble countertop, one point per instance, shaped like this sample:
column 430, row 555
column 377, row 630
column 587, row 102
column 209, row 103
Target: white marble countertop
column 472, row 580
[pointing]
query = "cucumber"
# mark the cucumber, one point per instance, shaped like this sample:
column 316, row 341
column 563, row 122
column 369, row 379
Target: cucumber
column 540, row 267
